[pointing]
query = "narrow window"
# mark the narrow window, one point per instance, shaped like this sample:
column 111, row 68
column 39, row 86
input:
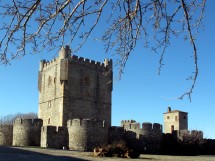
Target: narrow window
column 87, row 81
column 176, row 118
column 167, row 117
column 49, row 81
column 184, row 117
column 49, row 103
column 49, row 121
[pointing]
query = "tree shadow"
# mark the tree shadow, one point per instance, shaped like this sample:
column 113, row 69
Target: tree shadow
column 146, row 158
column 11, row 154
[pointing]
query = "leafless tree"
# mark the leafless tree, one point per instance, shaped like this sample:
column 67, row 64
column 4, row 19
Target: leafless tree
column 47, row 25
column 195, row 137
column 9, row 119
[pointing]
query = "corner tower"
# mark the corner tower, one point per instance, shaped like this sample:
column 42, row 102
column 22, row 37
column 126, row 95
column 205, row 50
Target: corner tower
column 72, row 87
column 175, row 120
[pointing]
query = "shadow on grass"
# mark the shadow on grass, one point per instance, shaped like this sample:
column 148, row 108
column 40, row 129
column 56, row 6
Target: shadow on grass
column 15, row 154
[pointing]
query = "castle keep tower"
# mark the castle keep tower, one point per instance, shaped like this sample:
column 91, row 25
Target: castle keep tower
column 175, row 120
column 71, row 87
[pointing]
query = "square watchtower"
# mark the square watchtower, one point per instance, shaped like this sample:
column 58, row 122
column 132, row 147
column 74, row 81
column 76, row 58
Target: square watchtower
column 71, row 87
column 175, row 120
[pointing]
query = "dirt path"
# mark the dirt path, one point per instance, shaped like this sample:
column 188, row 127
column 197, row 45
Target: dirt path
column 38, row 154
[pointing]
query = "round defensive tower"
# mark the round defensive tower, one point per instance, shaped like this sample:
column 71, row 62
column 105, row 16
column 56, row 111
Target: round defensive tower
column 146, row 129
column 157, row 128
column 6, row 135
column 86, row 134
column 115, row 134
column 27, row 132
column 157, row 131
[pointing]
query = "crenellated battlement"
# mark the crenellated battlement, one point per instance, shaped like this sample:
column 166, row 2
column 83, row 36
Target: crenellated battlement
column 86, row 123
column 196, row 132
column 26, row 132
column 127, row 121
column 63, row 55
column 53, row 129
column 157, row 127
column 86, row 134
column 146, row 129
column 28, row 121
column 181, row 134
column 2, row 126
column 106, row 64
column 148, row 135
column 129, row 124
column 149, row 129
column 149, row 126
column 45, row 64
column 116, row 129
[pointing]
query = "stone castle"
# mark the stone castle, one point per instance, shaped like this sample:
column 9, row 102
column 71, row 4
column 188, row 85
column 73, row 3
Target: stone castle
column 75, row 110
column 72, row 87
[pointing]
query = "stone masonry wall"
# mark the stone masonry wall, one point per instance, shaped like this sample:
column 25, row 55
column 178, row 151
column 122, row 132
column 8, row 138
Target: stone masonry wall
column 186, row 134
column 88, row 90
column 73, row 87
column 183, row 121
column 51, row 93
column 86, row 134
column 54, row 137
column 115, row 134
column 148, row 137
column 26, row 132
column 175, row 120
column 6, row 135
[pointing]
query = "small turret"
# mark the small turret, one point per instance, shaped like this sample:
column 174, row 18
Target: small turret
column 42, row 62
column 64, row 52
column 108, row 63
column 169, row 109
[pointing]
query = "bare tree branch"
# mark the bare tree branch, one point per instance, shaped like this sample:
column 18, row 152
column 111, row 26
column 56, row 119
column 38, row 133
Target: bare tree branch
column 47, row 25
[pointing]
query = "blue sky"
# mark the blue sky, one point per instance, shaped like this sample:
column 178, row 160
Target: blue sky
column 141, row 94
